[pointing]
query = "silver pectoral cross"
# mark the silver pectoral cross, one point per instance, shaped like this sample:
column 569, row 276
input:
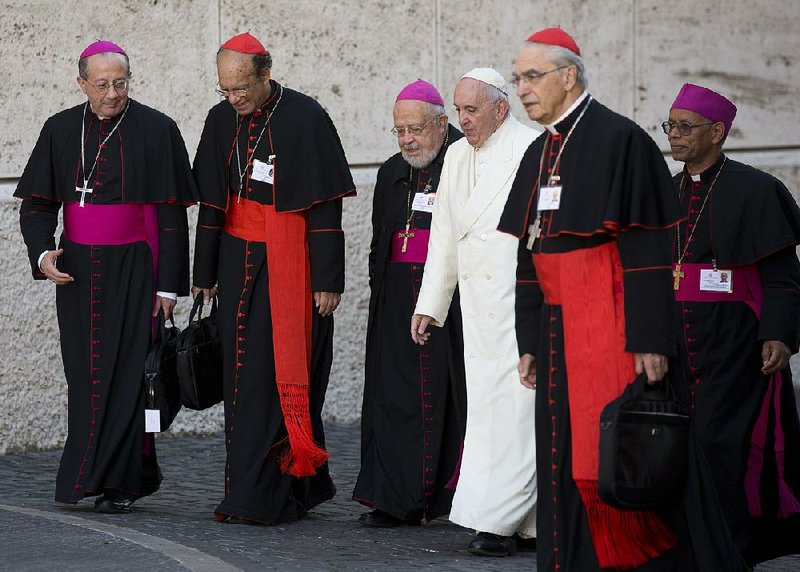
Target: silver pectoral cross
column 534, row 232
column 83, row 190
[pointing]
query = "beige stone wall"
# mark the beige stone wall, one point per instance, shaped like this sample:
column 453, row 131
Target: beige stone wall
column 354, row 56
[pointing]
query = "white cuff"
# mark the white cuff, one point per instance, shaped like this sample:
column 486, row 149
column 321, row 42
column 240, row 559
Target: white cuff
column 170, row 295
column 39, row 262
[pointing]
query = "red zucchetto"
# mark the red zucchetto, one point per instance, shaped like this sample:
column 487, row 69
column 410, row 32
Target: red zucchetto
column 245, row 44
column 556, row 37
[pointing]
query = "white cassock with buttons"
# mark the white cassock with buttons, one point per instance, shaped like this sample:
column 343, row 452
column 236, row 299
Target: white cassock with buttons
column 496, row 489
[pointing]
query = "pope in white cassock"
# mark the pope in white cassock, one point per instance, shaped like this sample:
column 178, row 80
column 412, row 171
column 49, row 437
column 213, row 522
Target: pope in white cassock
column 496, row 491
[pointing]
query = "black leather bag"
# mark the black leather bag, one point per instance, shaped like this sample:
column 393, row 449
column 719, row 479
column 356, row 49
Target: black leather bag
column 160, row 375
column 643, row 447
column 199, row 354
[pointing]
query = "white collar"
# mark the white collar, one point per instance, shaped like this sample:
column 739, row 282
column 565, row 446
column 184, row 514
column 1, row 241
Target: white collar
column 552, row 127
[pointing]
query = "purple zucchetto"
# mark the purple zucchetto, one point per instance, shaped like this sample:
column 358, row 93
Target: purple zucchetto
column 421, row 90
column 101, row 47
column 705, row 102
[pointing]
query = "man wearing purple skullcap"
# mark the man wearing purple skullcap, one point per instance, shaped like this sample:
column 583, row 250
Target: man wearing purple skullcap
column 121, row 172
column 405, row 470
column 736, row 282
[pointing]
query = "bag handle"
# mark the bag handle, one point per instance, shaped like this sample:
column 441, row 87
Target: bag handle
column 662, row 390
column 161, row 326
column 197, row 308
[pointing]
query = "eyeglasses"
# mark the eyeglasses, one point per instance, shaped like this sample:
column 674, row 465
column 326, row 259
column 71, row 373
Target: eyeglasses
column 531, row 77
column 119, row 85
column 412, row 129
column 684, row 128
column 233, row 92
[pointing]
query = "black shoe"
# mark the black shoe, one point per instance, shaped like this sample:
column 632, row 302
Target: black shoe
column 525, row 544
column 488, row 544
column 114, row 503
column 380, row 519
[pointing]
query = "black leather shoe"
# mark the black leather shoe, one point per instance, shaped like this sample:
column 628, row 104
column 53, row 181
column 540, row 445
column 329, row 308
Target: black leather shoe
column 114, row 503
column 488, row 544
column 525, row 544
column 380, row 519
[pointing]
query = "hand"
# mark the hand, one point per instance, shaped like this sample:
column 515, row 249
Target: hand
column 419, row 325
column 775, row 355
column 48, row 267
column 654, row 364
column 208, row 293
column 527, row 371
column 166, row 304
column 327, row 302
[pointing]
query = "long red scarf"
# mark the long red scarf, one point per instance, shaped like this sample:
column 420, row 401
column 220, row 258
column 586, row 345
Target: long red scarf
column 598, row 369
column 288, row 265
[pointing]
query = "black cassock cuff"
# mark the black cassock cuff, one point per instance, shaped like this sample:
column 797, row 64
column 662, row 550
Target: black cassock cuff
column 210, row 222
column 173, row 249
column 528, row 303
column 780, row 309
column 326, row 246
column 38, row 219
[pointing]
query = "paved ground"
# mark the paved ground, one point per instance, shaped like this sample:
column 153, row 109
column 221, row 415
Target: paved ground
column 174, row 529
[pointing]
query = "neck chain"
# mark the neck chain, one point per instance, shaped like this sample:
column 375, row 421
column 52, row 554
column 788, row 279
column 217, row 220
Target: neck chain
column 677, row 274
column 249, row 157
column 535, row 229
column 85, row 188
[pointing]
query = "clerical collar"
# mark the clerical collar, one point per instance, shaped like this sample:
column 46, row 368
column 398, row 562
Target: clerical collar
column 554, row 127
column 708, row 173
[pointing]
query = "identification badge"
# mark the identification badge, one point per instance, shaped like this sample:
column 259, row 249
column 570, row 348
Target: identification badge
column 549, row 198
column 423, row 202
column 716, row 280
column 152, row 421
column 264, row 172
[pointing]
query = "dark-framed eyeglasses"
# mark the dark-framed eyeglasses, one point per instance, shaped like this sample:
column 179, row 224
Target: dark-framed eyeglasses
column 412, row 129
column 531, row 77
column 683, row 127
column 239, row 92
column 119, row 85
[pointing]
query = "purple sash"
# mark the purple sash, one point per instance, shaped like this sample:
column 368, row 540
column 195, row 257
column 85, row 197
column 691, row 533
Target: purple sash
column 103, row 225
column 416, row 248
column 746, row 287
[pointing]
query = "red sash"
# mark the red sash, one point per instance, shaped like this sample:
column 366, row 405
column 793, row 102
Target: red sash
column 598, row 368
column 416, row 247
column 288, row 265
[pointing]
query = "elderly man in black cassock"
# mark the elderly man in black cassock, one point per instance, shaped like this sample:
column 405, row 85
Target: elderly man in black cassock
column 120, row 170
column 736, row 281
column 271, row 173
column 593, row 206
column 412, row 420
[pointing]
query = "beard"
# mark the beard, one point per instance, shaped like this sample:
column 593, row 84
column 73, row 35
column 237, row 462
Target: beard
column 420, row 161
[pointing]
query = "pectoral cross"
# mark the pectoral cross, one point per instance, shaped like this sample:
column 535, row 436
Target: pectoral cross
column 534, row 232
column 677, row 275
column 83, row 190
column 405, row 236
column 427, row 188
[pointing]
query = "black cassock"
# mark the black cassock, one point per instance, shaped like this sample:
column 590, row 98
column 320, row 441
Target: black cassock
column 104, row 316
column 312, row 176
column 750, row 218
column 413, row 413
column 616, row 191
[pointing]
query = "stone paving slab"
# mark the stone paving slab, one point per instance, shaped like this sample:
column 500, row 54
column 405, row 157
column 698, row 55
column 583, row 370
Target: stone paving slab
column 174, row 529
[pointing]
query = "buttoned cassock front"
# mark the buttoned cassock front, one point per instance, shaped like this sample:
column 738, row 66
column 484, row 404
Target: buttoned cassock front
column 496, row 489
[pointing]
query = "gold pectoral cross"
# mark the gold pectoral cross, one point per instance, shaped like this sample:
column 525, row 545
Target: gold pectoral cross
column 677, row 275
column 405, row 236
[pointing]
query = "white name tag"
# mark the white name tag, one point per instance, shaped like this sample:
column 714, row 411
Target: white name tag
column 264, row 172
column 549, row 198
column 424, row 202
column 152, row 421
column 716, row 280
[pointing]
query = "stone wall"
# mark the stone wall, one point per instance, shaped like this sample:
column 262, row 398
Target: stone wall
column 353, row 56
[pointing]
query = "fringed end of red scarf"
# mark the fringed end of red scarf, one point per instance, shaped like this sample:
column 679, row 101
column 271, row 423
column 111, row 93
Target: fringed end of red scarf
column 623, row 538
column 304, row 455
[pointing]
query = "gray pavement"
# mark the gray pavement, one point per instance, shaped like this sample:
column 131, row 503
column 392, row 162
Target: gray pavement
column 174, row 529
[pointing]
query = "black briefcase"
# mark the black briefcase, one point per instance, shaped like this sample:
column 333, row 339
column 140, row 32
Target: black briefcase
column 643, row 441
column 160, row 375
column 199, row 360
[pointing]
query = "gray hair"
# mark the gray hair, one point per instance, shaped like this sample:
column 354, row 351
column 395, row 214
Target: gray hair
column 495, row 95
column 83, row 65
column 563, row 57
column 433, row 109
